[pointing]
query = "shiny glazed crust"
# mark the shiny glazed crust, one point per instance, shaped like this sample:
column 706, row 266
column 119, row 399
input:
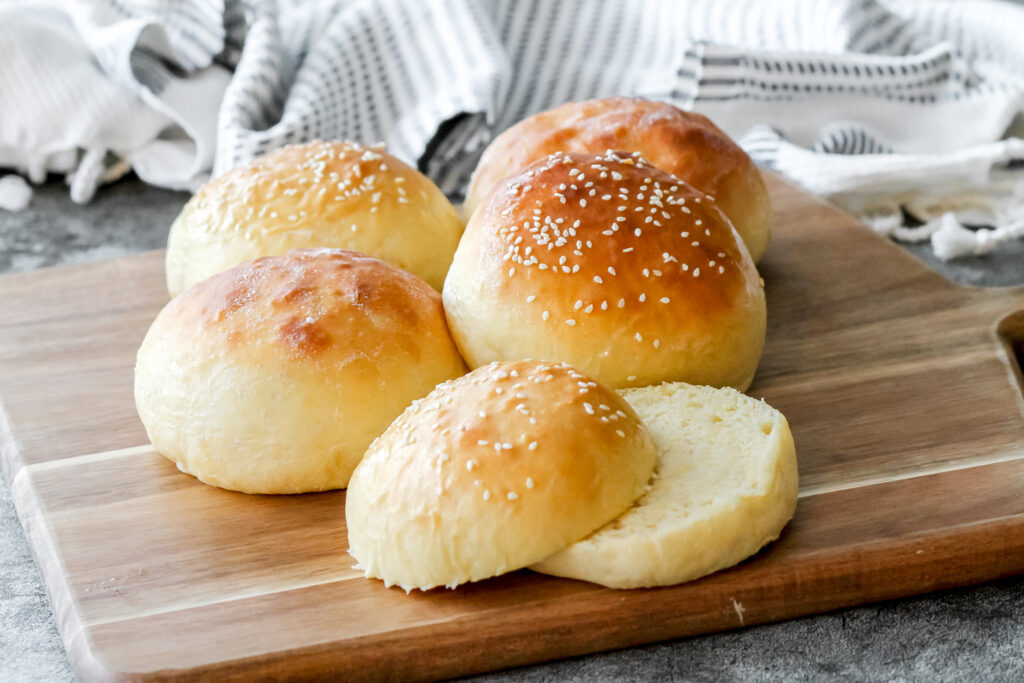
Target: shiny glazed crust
column 685, row 144
column 275, row 376
column 320, row 194
column 613, row 266
column 492, row 472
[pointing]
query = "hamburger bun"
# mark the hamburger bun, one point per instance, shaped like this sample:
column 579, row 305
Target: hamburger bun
column 613, row 266
column 682, row 143
column 320, row 194
column 274, row 376
column 492, row 472
column 725, row 485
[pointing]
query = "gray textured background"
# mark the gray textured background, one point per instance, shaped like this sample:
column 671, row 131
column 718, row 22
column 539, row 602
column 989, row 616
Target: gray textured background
column 966, row 634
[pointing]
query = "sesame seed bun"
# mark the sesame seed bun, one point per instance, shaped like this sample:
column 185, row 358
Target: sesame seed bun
column 274, row 376
column 492, row 472
column 685, row 144
column 726, row 485
column 611, row 265
column 320, row 194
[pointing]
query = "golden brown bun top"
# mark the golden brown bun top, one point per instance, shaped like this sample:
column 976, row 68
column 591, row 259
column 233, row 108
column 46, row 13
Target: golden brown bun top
column 307, row 304
column 516, row 428
column 318, row 194
column 611, row 238
column 685, row 144
column 493, row 471
column 288, row 183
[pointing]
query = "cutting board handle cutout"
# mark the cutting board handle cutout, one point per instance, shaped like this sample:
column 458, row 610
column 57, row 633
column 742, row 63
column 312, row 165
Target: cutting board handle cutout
column 1011, row 333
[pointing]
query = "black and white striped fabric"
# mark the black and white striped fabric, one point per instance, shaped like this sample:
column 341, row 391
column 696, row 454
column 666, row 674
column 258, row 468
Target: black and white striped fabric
column 880, row 105
column 850, row 98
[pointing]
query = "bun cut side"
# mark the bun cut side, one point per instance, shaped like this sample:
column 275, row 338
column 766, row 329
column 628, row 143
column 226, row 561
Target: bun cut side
column 319, row 194
column 492, row 472
column 275, row 376
column 619, row 269
column 685, row 144
column 726, row 485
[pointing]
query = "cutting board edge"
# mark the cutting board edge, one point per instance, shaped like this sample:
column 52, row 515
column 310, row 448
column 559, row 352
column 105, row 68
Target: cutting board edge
column 341, row 658
column 55, row 580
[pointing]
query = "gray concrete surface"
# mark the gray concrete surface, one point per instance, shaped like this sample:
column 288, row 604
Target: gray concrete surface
column 960, row 635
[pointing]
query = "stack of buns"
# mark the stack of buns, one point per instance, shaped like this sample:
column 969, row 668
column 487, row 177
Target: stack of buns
column 613, row 242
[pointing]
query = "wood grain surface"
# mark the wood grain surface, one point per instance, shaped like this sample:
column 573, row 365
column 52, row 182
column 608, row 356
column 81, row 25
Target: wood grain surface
column 902, row 390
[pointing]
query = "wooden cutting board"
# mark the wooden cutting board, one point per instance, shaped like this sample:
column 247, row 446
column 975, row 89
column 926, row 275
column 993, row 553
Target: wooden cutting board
column 902, row 391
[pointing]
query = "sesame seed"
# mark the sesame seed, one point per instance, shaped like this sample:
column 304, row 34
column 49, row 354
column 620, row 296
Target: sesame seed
column 622, row 434
column 487, row 494
column 639, row 337
column 570, row 322
column 578, row 305
column 530, row 299
column 532, row 446
column 622, row 303
column 512, row 495
column 545, row 315
column 664, row 299
column 598, row 280
column 696, row 272
column 642, row 297
column 638, row 232
column 469, row 465
column 529, row 483
column 611, row 270
column 481, row 442
column 589, row 408
column 630, row 379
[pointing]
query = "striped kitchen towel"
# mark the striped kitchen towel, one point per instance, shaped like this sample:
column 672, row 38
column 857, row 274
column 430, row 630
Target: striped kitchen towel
column 899, row 110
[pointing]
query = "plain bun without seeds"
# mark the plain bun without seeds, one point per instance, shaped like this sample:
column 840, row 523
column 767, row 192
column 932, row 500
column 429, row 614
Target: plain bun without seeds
column 492, row 472
column 613, row 266
column 275, row 376
column 682, row 143
column 319, row 194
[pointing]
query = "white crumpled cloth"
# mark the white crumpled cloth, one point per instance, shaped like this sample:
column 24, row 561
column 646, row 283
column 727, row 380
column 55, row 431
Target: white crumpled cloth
column 898, row 110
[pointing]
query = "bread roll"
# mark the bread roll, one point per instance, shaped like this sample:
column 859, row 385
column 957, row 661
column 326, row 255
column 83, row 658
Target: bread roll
column 275, row 376
column 617, row 268
column 726, row 484
column 321, row 194
column 685, row 144
column 492, row 472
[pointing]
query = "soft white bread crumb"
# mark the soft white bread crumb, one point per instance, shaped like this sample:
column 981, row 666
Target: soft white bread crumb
column 725, row 485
